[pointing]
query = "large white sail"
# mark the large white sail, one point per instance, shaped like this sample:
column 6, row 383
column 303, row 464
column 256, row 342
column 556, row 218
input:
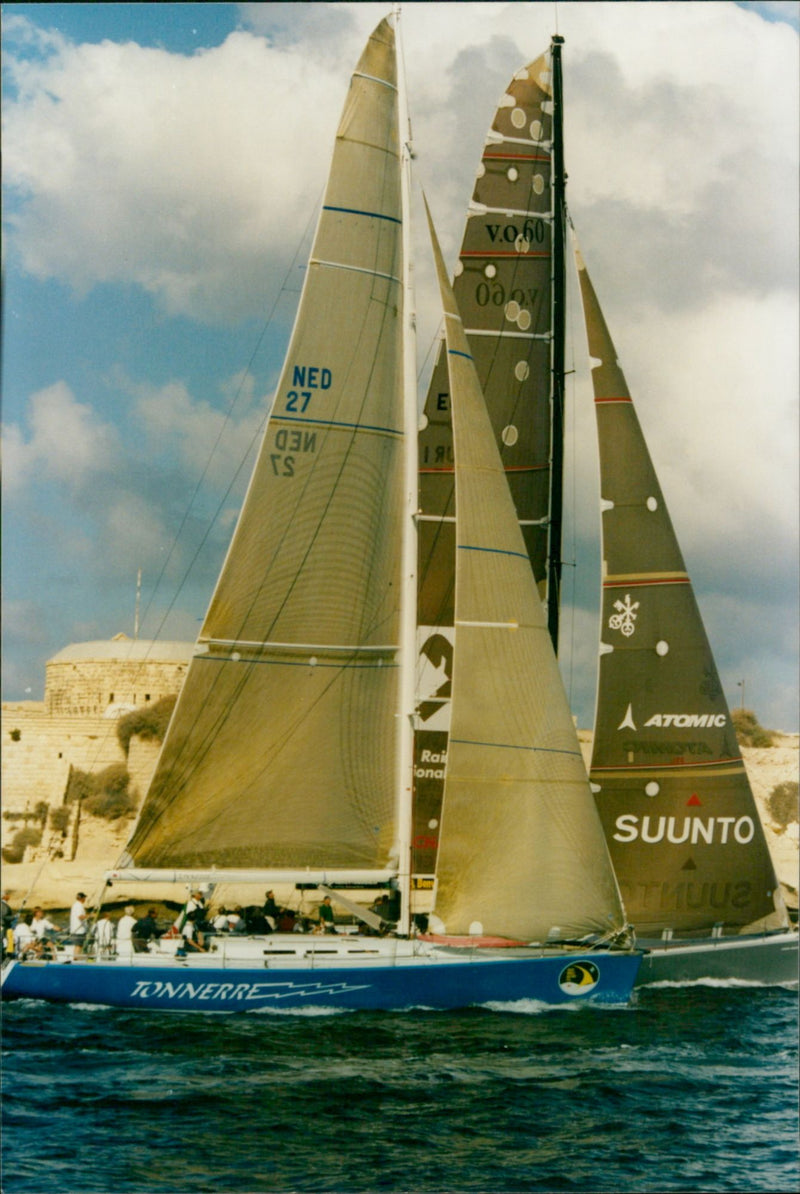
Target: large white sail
column 282, row 746
column 521, row 852
column 504, row 286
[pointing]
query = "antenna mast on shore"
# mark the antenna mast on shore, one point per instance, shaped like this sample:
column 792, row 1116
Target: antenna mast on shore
column 138, row 600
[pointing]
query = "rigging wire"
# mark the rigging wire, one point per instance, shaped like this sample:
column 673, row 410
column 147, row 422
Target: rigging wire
column 283, row 289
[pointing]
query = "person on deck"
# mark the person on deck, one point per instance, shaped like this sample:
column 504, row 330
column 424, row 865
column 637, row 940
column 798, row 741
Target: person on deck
column 25, row 940
column 326, row 916
column 271, row 910
column 125, row 927
column 41, row 925
column 78, row 916
column 144, row 931
column 78, row 921
column 192, row 939
column 104, row 936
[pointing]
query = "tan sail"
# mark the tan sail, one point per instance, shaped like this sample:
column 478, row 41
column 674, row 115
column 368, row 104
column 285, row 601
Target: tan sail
column 503, row 287
column 282, row 746
column 521, row 853
column 673, row 794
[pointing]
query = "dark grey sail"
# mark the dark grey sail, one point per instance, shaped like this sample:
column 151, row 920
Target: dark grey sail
column 507, row 280
column 671, row 787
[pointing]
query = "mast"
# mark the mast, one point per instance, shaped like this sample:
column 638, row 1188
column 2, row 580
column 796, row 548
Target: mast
column 408, row 623
column 559, row 336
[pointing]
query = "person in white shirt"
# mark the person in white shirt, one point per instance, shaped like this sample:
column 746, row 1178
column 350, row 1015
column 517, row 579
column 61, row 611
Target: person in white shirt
column 78, row 916
column 124, row 931
column 41, row 925
column 24, row 937
column 104, row 935
column 221, row 924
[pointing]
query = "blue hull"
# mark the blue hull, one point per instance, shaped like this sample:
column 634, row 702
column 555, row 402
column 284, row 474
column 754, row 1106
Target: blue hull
column 586, row 978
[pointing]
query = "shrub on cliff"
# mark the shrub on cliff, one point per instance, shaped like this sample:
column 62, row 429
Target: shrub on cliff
column 59, row 818
column 748, row 730
column 150, row 721
column 782, row 803
column 103, row 793
column 24, row 837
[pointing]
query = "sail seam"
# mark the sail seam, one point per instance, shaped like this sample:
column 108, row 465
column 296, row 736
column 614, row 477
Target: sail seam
column 603, row 401
column 513, row 211
column 336, row 423
column 504, row 253
column 725, row 766
column 546, row 750
column 488, row 625
column 357, row 211
column 231, row 642
column 359, row 74
column 355, row 269
column 514, row 468
column 497, row 551
column 643, row 579
column 502, row 139
column 508, row 335
column 340, row 664
column 516, row 157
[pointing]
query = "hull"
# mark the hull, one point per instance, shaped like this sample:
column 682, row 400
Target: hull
column 767, row 960
column 423, row 980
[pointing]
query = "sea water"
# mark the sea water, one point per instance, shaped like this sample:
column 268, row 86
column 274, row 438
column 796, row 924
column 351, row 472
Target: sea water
column 691, row 1089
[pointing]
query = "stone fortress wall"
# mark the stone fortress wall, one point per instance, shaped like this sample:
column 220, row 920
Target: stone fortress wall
column 88, row 686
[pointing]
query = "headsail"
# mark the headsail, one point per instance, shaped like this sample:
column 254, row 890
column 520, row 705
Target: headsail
column 673, row 794
column 504, row 286
column 522, row 853
column 280, row 751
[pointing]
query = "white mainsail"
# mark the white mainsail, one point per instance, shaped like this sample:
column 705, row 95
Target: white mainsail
column 281, row 751
column 522, row 853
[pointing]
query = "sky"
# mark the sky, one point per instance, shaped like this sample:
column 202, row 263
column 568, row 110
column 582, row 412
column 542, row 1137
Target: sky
column 163, row 166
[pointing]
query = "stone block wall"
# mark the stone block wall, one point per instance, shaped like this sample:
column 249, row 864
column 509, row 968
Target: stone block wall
column 91, row 688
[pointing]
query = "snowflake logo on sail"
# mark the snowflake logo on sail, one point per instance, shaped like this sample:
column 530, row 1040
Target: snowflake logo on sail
column 626, row 618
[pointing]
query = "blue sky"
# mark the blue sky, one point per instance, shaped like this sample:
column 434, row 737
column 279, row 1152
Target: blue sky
column 163, row 165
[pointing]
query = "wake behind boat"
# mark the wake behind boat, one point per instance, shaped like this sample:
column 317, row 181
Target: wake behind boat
column 289, row 757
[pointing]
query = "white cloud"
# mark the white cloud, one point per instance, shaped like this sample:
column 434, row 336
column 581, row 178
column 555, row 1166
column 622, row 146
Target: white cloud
column 204, row 441
column 192, row 178
column 66, row 443
column 181, row 174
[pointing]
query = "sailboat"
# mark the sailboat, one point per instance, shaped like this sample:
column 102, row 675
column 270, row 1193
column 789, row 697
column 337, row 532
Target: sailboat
column 289, row 757
column 678, row 812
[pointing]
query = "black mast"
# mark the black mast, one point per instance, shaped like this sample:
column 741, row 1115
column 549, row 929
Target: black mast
column 559, row 336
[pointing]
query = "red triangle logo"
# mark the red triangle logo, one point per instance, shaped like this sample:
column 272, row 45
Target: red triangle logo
column 694, row 799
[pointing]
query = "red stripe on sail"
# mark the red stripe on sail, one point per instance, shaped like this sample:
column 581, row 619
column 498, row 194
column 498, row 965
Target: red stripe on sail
column 642, row 584
column 505, row 253
column 655, row 767
column 519, row 468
